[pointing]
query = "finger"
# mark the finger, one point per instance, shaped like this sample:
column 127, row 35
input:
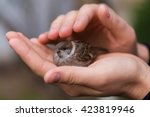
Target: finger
column 85, row 15
column 70, row 75
column 39, row 50
column 11, row 35
column 44, row 51
column 55, row 26
column 67, row 25
column 43, row 38
column 28, row 55
column 114, row 23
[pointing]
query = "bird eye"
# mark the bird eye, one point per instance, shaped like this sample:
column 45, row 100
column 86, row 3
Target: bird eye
column 58, row 52
column 64, row 48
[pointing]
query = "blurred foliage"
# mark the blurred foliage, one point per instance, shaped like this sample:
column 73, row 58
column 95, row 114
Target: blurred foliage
column 142, row 23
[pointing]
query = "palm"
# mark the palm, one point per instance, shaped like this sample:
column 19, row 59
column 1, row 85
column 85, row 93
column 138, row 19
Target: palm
column 104, row 77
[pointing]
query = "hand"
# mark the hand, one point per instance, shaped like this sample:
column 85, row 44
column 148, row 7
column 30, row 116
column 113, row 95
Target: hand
column 97, row 24
column 102, row 78
column 111, row 74
column 37, row 56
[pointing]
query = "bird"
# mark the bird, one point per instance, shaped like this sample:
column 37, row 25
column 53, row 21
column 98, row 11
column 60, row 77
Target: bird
column 76, row 53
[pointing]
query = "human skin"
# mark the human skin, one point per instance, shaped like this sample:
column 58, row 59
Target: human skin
column 116, row 73
column 100, row 26
column 110, row 74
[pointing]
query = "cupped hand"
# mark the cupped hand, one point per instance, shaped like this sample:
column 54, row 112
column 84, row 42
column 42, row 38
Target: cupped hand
column 97, row 24
column 110, row 75
column 37, row 56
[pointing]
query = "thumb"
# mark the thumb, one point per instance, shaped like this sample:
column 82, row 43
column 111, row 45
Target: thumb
column 113, row 22
column 68, row 75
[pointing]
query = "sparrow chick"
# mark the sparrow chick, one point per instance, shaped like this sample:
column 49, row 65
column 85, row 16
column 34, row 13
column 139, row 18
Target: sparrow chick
column 75, row 53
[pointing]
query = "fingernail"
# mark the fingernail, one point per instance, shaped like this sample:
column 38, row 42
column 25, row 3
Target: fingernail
column 56, row 78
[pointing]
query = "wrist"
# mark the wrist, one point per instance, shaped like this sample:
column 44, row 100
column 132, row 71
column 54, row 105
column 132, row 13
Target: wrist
column 144, row 82
column 140, row 86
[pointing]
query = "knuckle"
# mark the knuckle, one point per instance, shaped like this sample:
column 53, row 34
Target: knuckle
column 71, row 77
column 58, row 18
column 89, row 6
column 103, row 5
column 85, row 6
column 53, row 24
column 132, row 33
column 72, row 12
column 127, row 30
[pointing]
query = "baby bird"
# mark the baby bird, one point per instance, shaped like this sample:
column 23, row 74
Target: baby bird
column 75, row 53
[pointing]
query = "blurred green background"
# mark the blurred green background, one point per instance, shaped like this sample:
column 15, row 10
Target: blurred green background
column 16, row 80
column 142, row 22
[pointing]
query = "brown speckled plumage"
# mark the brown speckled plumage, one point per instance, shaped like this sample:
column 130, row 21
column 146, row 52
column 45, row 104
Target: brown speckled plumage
column 75, row 52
